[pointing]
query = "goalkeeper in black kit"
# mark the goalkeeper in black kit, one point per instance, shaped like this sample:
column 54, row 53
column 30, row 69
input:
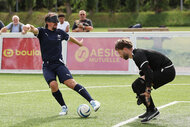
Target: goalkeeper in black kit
column 155, row 69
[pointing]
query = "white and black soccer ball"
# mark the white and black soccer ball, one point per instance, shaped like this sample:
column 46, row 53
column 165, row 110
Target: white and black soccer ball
column 83, row 110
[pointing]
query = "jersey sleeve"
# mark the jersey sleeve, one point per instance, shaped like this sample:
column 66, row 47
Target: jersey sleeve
column 65, row 36
column 143, row 65
column 9, row 26
column 1, row 24
column 39, row 35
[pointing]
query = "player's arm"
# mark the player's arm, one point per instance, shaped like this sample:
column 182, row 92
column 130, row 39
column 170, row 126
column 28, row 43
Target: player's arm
column 67, row 28
column 74, row 40
column 30, row 28
column 148, row 73
column 4, row 29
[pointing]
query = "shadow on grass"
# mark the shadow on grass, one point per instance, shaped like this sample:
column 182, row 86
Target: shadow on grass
column 41, row 120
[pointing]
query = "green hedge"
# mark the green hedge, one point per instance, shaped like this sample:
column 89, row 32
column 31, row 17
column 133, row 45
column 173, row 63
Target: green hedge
column 148, row 19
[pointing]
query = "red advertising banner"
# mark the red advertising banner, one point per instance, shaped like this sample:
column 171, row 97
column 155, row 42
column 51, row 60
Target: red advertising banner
column 97, row 54
column 21, row 53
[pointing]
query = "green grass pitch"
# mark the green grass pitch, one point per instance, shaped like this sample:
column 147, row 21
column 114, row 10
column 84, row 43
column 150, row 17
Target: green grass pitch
column 118, row 103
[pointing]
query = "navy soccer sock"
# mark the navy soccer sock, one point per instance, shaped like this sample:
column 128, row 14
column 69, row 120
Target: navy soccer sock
column 83, row 92
column 58, row 96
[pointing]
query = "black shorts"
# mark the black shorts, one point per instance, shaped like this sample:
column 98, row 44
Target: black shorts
column 164, row 76
column 56, row 68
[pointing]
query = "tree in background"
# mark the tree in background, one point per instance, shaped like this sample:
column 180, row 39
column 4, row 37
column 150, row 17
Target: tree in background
column 131, row 5
column 29, row 5
column 11, row 5
column 187, row 3
column 68, row 7
column 49, row 4
column 110, row 5
column 39, row 4
column 91, row 5
column 160, row 5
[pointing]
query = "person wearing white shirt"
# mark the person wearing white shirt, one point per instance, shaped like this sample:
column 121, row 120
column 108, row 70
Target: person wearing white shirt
column 63, row 25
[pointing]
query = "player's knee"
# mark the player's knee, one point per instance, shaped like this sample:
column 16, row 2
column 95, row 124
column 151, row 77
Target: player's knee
column 138, row 86
column 54, row 86
column 71, row 83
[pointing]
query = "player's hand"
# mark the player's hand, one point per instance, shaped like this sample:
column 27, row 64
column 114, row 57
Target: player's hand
column 81, row 43
column 26, row 28
column 147, row 95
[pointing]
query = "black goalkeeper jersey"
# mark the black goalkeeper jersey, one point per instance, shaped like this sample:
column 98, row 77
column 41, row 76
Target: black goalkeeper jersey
column 149, row 61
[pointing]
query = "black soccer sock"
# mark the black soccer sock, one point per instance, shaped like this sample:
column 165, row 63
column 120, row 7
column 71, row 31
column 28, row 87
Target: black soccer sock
column 151, row 106
column 143, row 101
column 58, row 97
column 83, row 92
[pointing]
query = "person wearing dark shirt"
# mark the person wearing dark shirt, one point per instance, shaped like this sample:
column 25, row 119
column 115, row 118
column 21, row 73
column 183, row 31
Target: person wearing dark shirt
column 1, row 25
column 155, row 69
column 83, row 24
column 50, row 39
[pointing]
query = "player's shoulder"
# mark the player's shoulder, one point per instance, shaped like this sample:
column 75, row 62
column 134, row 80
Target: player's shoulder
column 66, row 22
column 60, row 31
column 138, row 51
column 41, row 28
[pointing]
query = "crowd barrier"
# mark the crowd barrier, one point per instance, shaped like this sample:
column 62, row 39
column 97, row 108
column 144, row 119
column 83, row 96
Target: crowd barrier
column 21, row 53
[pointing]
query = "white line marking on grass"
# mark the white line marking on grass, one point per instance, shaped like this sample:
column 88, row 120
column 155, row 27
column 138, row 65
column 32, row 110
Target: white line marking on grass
column 136, row 117
column 34, row 91
column 89, row 87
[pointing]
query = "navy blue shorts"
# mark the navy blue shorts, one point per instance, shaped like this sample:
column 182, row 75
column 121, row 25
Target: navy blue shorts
column 51, row 70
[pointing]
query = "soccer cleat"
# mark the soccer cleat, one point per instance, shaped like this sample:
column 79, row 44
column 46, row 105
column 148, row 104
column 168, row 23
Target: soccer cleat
column 150, row 115
column 95, row 105
column 64, row 111
column 143, row 115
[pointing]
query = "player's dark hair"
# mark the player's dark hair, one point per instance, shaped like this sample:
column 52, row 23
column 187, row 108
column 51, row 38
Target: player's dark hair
column 48, row 16
column 123, row 43
column 61, row 15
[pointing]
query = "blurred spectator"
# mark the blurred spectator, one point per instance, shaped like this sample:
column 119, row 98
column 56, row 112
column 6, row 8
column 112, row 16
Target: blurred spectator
column 83, row 24
column 14, row 26
column 63, row 25
column 1, row 25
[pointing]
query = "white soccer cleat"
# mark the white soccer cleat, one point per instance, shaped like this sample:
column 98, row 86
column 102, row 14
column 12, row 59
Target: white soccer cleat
column 64, row 111
column 95, row 105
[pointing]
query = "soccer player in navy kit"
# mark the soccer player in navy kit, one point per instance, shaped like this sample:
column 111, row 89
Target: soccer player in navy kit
column 50, row 39
column 156, row 70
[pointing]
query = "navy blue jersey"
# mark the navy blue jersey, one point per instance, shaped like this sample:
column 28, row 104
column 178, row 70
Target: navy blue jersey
column 51, row 43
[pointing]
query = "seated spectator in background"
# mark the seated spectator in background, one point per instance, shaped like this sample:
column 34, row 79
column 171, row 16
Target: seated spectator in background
column 1, row 25
column 14, row 26
column 63, row 25
column 83, row 24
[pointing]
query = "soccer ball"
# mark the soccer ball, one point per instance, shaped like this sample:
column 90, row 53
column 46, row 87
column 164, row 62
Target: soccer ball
column 83, row 110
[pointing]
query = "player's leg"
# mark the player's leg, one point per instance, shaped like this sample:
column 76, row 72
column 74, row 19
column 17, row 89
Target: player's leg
column 50, row 78
column 65, row 77
column 162, row 77
column 139, row 87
